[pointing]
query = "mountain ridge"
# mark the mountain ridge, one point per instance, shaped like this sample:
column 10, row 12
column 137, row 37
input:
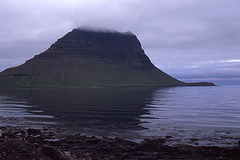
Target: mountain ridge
column 86, row 58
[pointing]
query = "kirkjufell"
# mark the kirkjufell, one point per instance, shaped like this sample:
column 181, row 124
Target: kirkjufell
column 86, row 58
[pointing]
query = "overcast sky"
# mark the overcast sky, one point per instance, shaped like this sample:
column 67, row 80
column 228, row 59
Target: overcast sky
column 192, row 40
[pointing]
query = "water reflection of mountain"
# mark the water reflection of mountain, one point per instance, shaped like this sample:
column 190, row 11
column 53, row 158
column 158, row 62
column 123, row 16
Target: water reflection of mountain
column 94, row 108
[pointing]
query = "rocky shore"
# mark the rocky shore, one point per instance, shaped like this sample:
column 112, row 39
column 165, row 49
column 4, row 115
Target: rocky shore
column 17, row 144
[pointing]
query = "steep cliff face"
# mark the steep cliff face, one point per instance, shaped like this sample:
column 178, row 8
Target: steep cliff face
column 85, row 58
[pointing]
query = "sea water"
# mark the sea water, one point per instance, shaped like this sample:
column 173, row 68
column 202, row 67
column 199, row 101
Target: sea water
column 191, row 115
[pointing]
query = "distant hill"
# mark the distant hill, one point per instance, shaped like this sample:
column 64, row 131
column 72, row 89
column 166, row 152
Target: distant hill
column 84, row 58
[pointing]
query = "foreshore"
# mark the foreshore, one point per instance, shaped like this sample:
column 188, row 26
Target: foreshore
column 46, row 145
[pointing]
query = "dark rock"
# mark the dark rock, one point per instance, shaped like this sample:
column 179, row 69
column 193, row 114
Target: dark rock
column 22, row 132
column 33, row 131
column 7, row 134
column 83, row 147
column 168, row 137
column 53, row 153
column 19, row 150
column 3, row 128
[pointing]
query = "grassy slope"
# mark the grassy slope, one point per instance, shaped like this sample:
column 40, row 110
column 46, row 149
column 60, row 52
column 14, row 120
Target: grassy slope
column 77, row 72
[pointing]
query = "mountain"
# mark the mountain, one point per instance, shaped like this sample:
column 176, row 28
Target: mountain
column 85, row 58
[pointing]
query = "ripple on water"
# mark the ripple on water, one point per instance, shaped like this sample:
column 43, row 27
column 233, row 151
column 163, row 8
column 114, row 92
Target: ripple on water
column 20, row 113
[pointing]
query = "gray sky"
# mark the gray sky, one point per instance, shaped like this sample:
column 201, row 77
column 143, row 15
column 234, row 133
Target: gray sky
column 193, row 40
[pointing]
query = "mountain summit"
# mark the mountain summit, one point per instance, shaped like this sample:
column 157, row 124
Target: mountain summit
column 86, row 58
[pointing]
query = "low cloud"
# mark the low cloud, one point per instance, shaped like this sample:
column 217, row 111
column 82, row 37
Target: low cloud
column 230, row 61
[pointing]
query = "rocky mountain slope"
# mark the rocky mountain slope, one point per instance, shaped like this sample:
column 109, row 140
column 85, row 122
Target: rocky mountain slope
column 84, row 58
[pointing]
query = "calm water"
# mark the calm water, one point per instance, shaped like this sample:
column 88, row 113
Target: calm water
column 210, row 115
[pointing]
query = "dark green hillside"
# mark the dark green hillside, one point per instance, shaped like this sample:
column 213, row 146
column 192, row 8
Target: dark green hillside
column 89, row 59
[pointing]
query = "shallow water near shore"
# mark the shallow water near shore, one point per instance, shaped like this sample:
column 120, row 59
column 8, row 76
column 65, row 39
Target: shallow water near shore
column 187, row 115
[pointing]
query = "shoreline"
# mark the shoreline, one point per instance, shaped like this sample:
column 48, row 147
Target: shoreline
column 185, row 84
column 42, row 144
